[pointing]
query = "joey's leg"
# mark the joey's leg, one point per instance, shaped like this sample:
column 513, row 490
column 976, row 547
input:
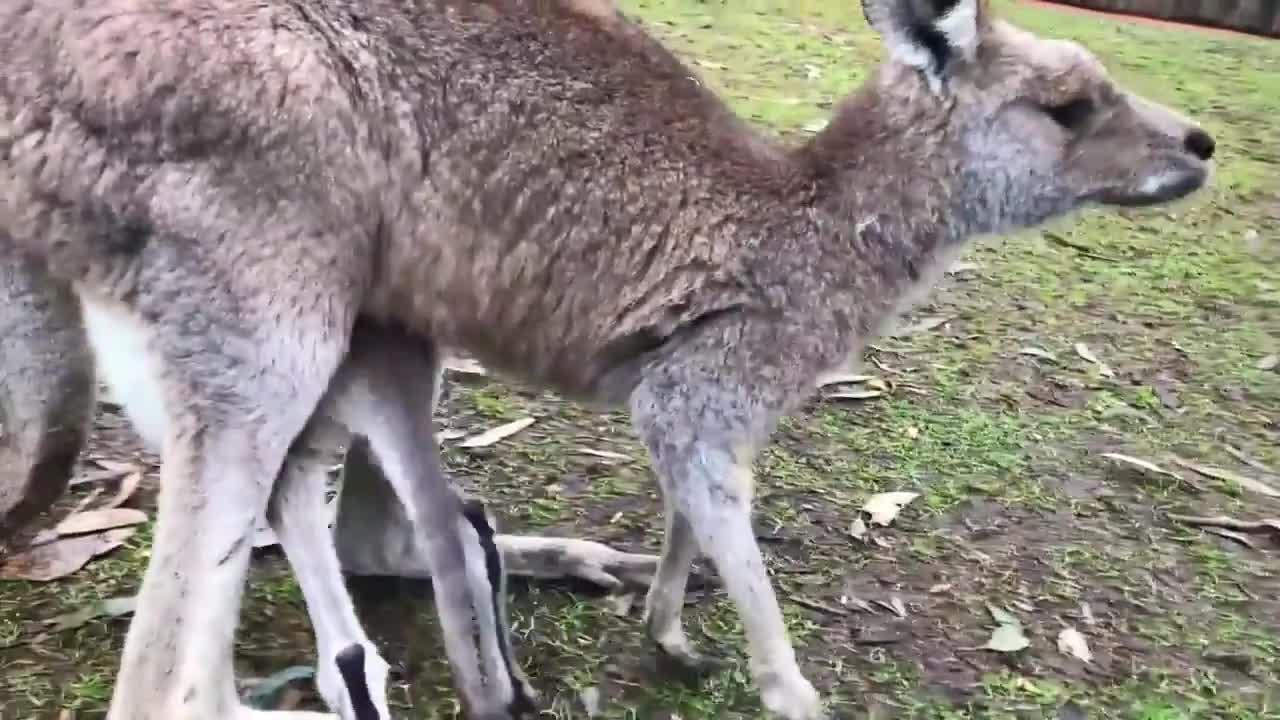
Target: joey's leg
column 371, row 530
column 351, row 675
column 46, row 388
column 702, row 432
column 385, row 391
column 375, row 537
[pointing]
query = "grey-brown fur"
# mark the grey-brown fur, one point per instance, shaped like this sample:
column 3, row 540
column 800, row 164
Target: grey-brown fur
column 47, row 394
column 230, row 184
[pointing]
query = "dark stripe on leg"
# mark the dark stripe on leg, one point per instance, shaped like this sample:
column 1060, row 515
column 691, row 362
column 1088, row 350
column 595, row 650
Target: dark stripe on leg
column 473, row 511
column 350, row 662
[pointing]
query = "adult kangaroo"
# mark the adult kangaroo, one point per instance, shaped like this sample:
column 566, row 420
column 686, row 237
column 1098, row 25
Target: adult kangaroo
column 233, row 188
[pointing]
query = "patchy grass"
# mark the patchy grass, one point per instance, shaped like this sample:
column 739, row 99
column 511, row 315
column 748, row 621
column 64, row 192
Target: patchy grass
column 1018, row 509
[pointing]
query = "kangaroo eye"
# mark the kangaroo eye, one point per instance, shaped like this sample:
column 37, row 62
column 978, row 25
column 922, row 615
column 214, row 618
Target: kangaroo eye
column 1071, row 115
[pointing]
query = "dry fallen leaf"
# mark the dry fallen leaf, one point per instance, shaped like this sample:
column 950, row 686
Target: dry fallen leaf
column 856, row 602
column 924, row 324
column 1143, row 465
column 111, row 607
column 1087, row 355
column 108, row 470
column 464, row 366
column 605, row 454
column 854, row 395
column 115, row 466
column 858, row 529
column 884, row 507
column 1086, row 614
column 1071, row 642
column 128, row 486
column 1007, row 639
column 1037, row 352
column 493, row 435
column 897, row 606
column 815, row 126
column 266, row 693
column 590, row 698
column 1002, row 616
column 62, row 557
column 92, row 521
column 1247, row 483
column 1241, row 538
column 842, row 378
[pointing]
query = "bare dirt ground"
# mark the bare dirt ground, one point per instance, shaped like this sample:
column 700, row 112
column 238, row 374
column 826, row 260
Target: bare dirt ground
column 1146, row 334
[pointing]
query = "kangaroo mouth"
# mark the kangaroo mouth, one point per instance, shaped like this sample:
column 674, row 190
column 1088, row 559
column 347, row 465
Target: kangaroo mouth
column 1165, row 187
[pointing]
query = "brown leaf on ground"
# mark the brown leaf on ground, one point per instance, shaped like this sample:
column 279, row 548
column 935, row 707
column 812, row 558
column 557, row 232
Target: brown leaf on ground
column 1039, row 353
column 924, row 324
column 92, row 521
column 1007, row 639
column 854, row 395
column 1087, row 355
column 111, row 607
column 62, row 557
column 493, row 435
column 128, row 486
column 884, row 507
column 1071, row 642
column 858, row 529
column 464, row 366
column 842, row 378
column 605, row 454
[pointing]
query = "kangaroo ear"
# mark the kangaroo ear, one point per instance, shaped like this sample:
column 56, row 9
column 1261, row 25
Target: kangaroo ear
column 927, row 34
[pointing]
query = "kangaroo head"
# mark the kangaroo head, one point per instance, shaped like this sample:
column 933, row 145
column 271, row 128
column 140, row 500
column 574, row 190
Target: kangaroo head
column 1029, row 127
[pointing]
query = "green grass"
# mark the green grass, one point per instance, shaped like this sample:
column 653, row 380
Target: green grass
column 1018, row 509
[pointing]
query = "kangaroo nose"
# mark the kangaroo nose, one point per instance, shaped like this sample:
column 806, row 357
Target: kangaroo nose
column 1199, row 143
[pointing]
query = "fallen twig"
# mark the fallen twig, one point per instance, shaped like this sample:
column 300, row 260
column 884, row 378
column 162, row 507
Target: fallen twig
column 1228, row 523
column 1084, row 250
column 820, row 607
column 1247, row 459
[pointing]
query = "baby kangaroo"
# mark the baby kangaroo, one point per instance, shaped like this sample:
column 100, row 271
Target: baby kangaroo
column 228, row 185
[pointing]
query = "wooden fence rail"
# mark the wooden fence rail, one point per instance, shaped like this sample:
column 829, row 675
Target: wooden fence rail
column 1259, row 17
